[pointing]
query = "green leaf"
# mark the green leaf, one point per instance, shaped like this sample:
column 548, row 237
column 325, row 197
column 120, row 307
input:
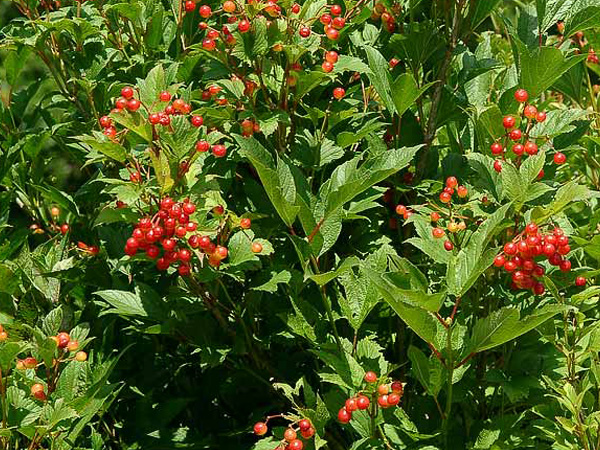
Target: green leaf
column 347, row 264
column 102, row 144
column 380, row 77
column 277, row 179
column 151, row 87
column 51, row 324
column 582, row 18
column 428, row 371
column 162, row 169
column 240, row 248
column 566, row 196
column 282, row 277
column 506, row 324
column 418, row 319
column 541, row 67
column 9, row 352
column 557, row 122
column 405, row 91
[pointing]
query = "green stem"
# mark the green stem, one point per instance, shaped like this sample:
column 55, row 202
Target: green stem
column 450, row 367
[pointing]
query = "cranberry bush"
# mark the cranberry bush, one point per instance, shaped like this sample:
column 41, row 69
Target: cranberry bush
column 279, row 225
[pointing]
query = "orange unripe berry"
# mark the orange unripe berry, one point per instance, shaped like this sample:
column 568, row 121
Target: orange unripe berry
column 257, row 247
column 370, row 377
column 73, row 345
column 260, row 428
column 245, row 223
column 81, row 356
column 229, row 6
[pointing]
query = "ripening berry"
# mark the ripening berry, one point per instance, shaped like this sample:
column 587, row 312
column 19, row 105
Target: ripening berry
column 401, row 210
column 531, row 148
column 382, row 400
column 394, row 62
column 541, row 117
column 449, row 246
column 370, row 377
column 135, row 177
column 521, row 95
column 325, row 19
column 260, row 428
column 127, row 92
column 498, row 165
column 452, row 227
column 344, row 416
column 434, row 216
column 295, row 8
column 451, row 182
column 339, row 93
column 530, row 111
column 462, row 191
column 73, row 345
column 539, row 289
column 437, row 232
column 508, row 122
column 63, row 339
column 307, row 434
column 327, row 66
column 30, row 363
column 208, row 44
column 80, row 356
column 228, row 6
column 393, row 399
column 338, row 23
column 257, row 247
column 331, row 56
column 580, row 281
column 559, row 158
column 336, row 10
column 37, row 390
column 518, row 149
column 332, row 34
column 64, row 228
column 164, row 96
column 351, row 405
column 189, row 6
column 304, row 32
column 289, row 434
column 154, row 118
column 445, row 197
column 531, row 228
column 245, row 223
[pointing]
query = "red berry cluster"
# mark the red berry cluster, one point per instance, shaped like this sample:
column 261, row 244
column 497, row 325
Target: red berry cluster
column 332, row 22
column 387, row 395
column 521, row 144
column 387, row 16
column 519, row 256
column 172, row 229
column 291, row 440
column 331, row 57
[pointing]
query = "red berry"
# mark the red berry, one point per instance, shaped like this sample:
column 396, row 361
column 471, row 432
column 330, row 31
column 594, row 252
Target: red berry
column 133, row 105
column 515, row 134
column 510, row 248
column 383, row 401
column 243, row 26
column 260, row 428
column 449, row 246
column 325, row 19
column 393, row 399
column 304, row 32
column 184, row 270
column 296, row 444
column 245, row 223
column 437, row 232
column 565, row 266
column 332, row 34
column 336, row 10
column 295, row 8
column 531, row 228
column 105, row 121
column 164, row 96
column 451, row 182
column 304, row 425
column 228, row 6
column 518, row 149
column 580, row 281
column 344, row 416
column 498, row 166
column 289, row 434
column 308, row 433
column 205, row 11
column 338, row 23
column 64, row 228
column 508, row 122
column 541, row 117
column 462, row 191
column 327, row 66
column 521, row 95
column 539, row 289
column 190, row 6
column 121, row 103
column 339, row 92
column 351, row 405
column 363, row 402
column 499, row 260
column 197, row 121
column 127, row 92
column 202, row 146
column 497, row 149
column 208, row 44
column 559, row 158
column 219, row 150
column 152, row 252
column 445, row 197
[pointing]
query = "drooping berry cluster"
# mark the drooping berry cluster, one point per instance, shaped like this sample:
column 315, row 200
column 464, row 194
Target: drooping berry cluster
column 517, row 134
column 386, row 394
column 520, row 257
column 172, row 232
column 292, row 436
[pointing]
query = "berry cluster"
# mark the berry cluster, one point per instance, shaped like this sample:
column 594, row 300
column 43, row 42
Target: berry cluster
column 387, row 395
column 455, row 222
column 291, row 440
column 68, row 350
column 171, row 230
column 517, row 134
column 387, row 16
column 519, row 256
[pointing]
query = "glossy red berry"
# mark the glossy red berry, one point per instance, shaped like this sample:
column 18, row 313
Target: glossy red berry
column 449, row 246
column 541, row 117
column 499, row 260
column 336, row 10
column 370, row 377
column 304, row 32
column 332, row 34
column 515, row 134
column 559, row 158
column 295, row 8
column 105, row 121
column 64, row 228
column 498, row 166
column 339, row 93
column 521, row 95
column 260, row 428
column 205, row 11
column 304, row 425
column 363, row 402
column 127, row 92
column 327, row 66
column 496, row 148
column 531, row 148
column 445, row 197
column 530, row 111
column 208, row 44
column 190, row 6
column 580, row 281
column 289, row 434
column 219, row 150
column 344, row 416
column 518, row 149
column 338, row 23
column 331, row 56
column 245, row 223
column 437, row 232
column 508, row 122
column 296, row 444
column 243, row 26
